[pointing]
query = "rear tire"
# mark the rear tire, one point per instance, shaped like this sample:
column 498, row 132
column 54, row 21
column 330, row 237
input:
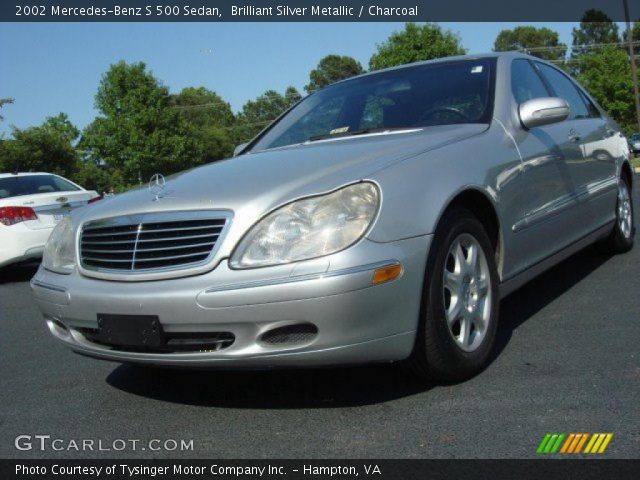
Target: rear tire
column 621, row 238
column 460, row 301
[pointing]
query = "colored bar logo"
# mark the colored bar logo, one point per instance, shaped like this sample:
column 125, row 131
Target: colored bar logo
column 574, row 443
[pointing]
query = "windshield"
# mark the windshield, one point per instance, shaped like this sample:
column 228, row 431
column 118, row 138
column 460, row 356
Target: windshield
column 33, row 184
column 413, row 97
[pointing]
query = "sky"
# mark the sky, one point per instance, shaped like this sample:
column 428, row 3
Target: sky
column 50, row 68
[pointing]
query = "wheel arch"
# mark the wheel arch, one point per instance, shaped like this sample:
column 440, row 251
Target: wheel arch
column 482, row 205
column 627, row 171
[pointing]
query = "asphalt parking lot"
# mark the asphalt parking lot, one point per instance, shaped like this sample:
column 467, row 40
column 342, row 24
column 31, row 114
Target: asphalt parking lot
column 566, row 360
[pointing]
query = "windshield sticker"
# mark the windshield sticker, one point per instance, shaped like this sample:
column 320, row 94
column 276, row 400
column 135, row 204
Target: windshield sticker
column 339, row 130
column 477, row 69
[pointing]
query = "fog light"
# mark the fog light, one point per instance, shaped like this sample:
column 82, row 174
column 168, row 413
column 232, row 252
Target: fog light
column 386, row 274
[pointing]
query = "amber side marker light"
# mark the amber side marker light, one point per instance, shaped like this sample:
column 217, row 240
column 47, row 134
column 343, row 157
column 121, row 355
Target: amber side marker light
column 386, row 274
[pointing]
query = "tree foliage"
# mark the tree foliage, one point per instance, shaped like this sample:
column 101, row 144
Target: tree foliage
column 3, row 102
column 540, row 42
column 595, row 28
column 606, row 74
column 202, row 107
column 94, row 177
column 415, row 43
column 62, row 126
column 47, row 147
column 331, row 69
column 208, row 120
column 137, row 132
column 257, row 114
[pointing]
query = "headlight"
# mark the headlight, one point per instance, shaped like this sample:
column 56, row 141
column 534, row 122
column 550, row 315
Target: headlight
column 60, row 251
column 309, row 228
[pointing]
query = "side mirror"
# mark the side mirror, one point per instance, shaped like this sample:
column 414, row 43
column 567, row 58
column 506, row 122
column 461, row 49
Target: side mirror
column 239, row 148
column 543, row 111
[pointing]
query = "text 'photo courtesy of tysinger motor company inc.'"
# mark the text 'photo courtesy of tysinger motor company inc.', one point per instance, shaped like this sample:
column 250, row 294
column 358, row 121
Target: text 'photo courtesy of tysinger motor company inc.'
column 346, row 239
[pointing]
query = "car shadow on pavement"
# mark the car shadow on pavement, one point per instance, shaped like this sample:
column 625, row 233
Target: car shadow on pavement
column 524, row 303
column 337, row 387
column 269, row 389
column 21, row 272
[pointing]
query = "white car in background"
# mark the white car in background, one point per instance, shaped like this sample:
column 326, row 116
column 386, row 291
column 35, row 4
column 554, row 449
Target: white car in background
column 31, row 204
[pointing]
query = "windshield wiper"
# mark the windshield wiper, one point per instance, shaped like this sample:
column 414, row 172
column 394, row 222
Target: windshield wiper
column 352, row 133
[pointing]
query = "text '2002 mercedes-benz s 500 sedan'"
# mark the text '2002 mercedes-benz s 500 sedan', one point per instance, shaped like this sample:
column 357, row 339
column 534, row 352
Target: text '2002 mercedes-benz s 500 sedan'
column 380, row 219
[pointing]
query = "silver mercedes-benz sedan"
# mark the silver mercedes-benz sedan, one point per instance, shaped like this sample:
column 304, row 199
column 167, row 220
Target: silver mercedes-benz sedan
column 380, row 219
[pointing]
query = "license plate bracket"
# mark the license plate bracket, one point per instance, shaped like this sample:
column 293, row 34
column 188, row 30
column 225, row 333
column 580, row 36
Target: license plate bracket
column 130, row 330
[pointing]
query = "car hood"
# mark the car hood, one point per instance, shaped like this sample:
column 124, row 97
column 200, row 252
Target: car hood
column 250, row 185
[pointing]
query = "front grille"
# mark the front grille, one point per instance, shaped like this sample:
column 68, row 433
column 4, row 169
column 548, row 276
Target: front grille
column 143, row 243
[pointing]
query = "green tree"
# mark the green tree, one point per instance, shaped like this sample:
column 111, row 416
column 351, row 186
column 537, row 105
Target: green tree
column 606, row 74
column 540, row 42
column 137, row 132
column 3, row 102
column 61, row 125
column 93, row 177
column 203, row 107
column 415, row 43
column 332, row 68
column 209, row 121
column 47, row 147
column 595, row 28
column 257, row 114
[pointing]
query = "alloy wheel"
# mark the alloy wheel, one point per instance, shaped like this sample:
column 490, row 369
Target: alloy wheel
column 625, row 219
column 467, row 292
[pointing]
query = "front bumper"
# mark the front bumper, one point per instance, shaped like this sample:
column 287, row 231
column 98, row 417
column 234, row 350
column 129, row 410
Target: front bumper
column 356, row 322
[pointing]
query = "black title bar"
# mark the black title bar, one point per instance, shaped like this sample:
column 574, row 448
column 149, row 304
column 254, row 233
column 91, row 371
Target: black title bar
column 116, row 469
column 308, row 10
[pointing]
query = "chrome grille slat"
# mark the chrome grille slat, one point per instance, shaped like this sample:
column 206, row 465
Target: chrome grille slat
column 145, row 240
column 140, row 249
column 111, row 242
column 91, row 250
column 110, row 234
column 150, row 242
column 157, row 230
column 169, row 257
column 117, row 260
column 186, row 237
column 152, row 259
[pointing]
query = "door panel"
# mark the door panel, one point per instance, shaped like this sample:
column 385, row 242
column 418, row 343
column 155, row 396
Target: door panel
column 594, row 171
column 548, row 190
column 549, row 196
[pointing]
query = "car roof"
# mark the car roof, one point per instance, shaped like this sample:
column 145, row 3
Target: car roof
column 453, row 58
column 25, row 174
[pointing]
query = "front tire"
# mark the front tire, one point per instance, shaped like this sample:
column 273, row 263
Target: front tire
column 460, row 302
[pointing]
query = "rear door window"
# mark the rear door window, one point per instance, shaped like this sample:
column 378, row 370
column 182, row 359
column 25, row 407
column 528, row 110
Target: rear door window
column 564, row 88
